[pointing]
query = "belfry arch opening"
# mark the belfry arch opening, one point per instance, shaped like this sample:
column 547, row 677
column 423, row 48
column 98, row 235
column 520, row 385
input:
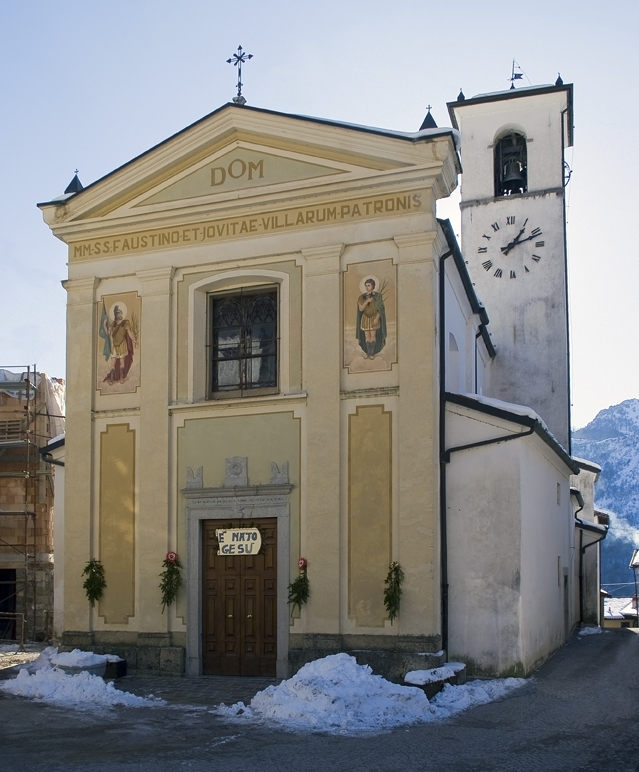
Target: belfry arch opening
column 511, row 165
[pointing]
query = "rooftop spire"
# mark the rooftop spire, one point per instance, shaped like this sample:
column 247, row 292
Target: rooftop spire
column 75, row 186
column 429, row 121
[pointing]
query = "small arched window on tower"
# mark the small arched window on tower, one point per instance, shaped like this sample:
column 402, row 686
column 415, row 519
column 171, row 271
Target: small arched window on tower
column 511, row 169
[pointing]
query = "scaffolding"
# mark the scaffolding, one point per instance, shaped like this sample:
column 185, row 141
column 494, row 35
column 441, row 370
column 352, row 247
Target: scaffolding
column 26, row 506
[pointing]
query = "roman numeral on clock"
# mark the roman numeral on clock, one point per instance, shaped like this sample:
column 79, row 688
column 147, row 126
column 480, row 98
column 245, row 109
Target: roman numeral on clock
column 513, row 275
column 536, row 258
column 498, row 273
column 510, row 220
column 536, row 232
column 487, row 265
column 539, row 243
column 495, row 226
column 482, row 250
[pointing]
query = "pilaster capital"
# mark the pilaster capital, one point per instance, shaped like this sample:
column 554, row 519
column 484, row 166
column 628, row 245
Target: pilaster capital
column 156, row 281
column 323, row 260
column 416, row 247
column 80, row 291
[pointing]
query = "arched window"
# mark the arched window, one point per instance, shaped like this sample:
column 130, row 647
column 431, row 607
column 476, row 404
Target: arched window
column 511, row 169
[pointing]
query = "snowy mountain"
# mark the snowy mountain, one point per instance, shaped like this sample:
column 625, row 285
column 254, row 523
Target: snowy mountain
column 612, row 441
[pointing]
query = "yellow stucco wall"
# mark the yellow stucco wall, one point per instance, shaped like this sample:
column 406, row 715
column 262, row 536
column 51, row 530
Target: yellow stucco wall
column 360, row 434
column 369, row 514
column 117, row 523
column 260, row 437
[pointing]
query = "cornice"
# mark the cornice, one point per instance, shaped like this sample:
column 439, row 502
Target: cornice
column 254, row 203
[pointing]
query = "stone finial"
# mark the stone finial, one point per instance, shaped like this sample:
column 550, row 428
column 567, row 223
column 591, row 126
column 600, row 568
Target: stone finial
column 279, row 476
column 194, row 479
column 236, row 472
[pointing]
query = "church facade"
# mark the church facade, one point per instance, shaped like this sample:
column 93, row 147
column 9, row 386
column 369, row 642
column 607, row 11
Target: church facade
column 272, row 340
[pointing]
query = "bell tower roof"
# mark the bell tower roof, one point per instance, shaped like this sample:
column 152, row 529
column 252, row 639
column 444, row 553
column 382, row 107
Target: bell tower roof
column 525, row 92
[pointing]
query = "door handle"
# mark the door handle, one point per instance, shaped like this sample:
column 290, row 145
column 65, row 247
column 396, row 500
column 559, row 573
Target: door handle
column 230, row 616
column 249, row 616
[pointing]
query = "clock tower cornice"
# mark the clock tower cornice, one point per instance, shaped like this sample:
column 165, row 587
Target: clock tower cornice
column 532, row 194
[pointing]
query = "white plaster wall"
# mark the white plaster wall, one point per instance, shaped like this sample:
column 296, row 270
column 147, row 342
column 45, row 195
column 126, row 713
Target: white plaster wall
column 546, row 554
column 505, row 533
column 463, row 324
column 484, row 538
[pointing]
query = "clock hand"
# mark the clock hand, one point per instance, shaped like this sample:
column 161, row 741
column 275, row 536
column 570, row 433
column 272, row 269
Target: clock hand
column 517, row 240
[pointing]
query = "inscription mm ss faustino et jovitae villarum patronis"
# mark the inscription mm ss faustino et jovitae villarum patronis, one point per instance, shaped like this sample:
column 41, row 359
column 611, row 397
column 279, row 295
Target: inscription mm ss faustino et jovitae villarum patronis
column 228, row 228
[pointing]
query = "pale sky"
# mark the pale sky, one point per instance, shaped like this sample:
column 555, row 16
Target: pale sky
column 90, row 85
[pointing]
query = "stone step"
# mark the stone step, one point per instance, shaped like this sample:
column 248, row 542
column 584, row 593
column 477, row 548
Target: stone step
column 393, row 665
column 432, row 680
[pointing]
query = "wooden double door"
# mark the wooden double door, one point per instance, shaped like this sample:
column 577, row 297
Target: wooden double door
column 240, row 605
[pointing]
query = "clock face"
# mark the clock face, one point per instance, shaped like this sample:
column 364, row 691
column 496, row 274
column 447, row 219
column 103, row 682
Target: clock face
column 511, row 248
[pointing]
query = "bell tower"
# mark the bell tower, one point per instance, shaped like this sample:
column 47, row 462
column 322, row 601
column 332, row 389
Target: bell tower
column 514, row 239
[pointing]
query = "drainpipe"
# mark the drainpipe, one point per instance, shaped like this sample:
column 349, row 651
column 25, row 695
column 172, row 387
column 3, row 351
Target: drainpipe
column 50, row 460
column 443, row 540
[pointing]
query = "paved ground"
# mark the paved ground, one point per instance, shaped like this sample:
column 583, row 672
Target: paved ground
column 579, row 713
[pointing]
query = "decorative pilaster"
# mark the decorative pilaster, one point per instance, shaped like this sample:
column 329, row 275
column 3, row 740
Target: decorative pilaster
column 78, row 531
column 155, row 530
column 322, row 367
column 418, row 466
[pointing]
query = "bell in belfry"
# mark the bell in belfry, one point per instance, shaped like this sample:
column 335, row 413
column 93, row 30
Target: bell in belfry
column 513, row 180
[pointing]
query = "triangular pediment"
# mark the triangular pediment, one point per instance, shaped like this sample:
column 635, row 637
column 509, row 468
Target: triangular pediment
column 240, row 168
column 236, row 156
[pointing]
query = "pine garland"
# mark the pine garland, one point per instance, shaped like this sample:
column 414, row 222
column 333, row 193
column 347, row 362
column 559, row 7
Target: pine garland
column 170, row 579
column 300, row 589
column 95, row 582
column 393, row 591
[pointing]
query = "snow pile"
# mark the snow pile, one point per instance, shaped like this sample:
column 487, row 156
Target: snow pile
column 435, row 674
column 42, row 660
column 590, row 631
column 50, row 685
column 79, row 658
column 9, row 647
column 336, row 695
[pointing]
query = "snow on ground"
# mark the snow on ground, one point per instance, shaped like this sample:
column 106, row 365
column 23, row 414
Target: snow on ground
column 41, row 680
column 81, row 690
column 591, row 631
column 336, row 695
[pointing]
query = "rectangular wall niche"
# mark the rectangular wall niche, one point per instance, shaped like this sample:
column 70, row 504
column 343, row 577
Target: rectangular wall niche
column 369, row 513
column 117, row 523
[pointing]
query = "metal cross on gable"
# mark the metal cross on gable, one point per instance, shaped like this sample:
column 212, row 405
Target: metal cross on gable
column 238, row 58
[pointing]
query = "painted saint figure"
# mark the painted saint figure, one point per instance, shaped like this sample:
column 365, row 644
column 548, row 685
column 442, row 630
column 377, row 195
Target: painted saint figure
column 118, row 344
column 371, row 320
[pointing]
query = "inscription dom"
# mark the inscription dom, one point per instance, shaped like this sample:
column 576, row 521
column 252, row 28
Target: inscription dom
column 236, row 170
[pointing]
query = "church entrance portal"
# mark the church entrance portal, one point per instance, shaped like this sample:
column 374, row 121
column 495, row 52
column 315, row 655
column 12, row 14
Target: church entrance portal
column 240, row 604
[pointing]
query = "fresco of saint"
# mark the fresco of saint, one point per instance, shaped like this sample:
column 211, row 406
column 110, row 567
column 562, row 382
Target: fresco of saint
column 119, row 343
column 371, row 320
